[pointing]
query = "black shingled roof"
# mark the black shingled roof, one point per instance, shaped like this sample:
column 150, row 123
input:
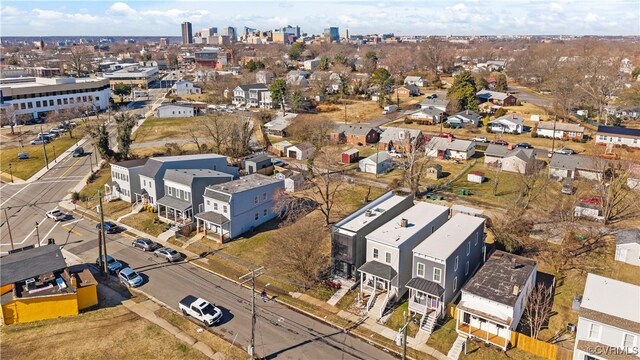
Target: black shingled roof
column 425, row 286
column 378, row 269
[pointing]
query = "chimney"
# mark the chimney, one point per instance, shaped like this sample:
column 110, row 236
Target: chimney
column 404, row 223
column 513, row 263
column 368, row 213
column 516, row 290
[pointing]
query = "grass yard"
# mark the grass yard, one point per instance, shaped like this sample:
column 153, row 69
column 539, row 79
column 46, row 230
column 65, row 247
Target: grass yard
column 508, row 185
column 348, row 300
column 154, row 129
column 143, row 221
column 185, row 149
column 89, row 193
column 217, row 343
column 321, row 292
column 357, row 111
column 442, row 337
column 24, row 169
column 109, row 333
column 478, row 350
column 396, row 320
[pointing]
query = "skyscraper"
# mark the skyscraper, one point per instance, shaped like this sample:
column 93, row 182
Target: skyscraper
column 187, row 34
column 231, row 33
column 332, row 34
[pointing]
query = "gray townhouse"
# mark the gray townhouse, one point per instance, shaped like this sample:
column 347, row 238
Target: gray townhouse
column 384, row 276
column 152, row 174
column 125, row 180
column 348, row 236
column 233, row 208
column 183, row 190
column 608, row 319
column 442, row 264
column 252, row 95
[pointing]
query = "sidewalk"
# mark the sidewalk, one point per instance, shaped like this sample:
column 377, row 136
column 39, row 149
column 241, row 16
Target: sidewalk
column 368, row 323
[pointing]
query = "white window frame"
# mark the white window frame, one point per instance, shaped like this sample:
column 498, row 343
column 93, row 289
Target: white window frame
column 455, row 283
column 634, row 340
column 224, row 208
column 170, row 190
column 420, row 270
column 468, row 248
column 592, row 327
column 376, row 253
column 466, row 268
column 477, row 237
column 387, row 257
column 455, row 264
column 437, row 271
column 255, row 199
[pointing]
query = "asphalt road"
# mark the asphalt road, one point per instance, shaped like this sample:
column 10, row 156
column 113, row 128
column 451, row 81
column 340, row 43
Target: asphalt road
column 280, row 331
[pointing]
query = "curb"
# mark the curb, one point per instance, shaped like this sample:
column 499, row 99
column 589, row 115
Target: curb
column 55, row 161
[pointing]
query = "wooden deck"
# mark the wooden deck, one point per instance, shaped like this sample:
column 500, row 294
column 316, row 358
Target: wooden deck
column 483, row 335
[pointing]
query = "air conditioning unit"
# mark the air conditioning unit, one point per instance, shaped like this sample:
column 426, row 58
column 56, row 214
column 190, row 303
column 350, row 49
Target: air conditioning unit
column 571, row 327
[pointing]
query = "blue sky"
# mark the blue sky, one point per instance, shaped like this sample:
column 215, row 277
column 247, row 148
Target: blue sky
column 437, row 17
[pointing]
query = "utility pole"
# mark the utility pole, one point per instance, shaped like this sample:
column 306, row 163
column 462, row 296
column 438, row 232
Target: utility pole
column 102, row 235
column 553, row 137
column 10, row 172
column 44, row 148
column 8, row 228
column 251, row 276
column 401, row 337
column 37, row 234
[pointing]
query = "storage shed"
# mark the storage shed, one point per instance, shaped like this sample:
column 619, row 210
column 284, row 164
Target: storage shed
column 350, row 156
column 475, row 177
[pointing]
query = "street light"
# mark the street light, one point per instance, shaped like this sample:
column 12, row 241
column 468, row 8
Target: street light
column 10, row 172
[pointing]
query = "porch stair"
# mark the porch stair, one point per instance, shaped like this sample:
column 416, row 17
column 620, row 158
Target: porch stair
column 371, row 301
column 428, row 322
column 456, row 349
column 378, row 306
column 384, row 309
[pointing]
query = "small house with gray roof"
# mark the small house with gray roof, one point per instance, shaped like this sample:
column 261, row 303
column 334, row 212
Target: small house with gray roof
column 628, row 246
column 402, row 140
column 576, row 166
column 517, row 160
column 260, row 164
column 233, row 208
column 463, row 118
column 442, row 264
column 449, row 148
column 507, row 124
column 183, row 189
column 493, row 301
column 355, row 134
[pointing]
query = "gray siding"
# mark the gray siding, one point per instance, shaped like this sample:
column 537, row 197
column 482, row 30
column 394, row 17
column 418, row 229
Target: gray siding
column 429, row 265
column 475, row 259
column 197, row 189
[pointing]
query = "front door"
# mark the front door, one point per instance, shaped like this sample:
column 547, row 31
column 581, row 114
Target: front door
column 433, row 302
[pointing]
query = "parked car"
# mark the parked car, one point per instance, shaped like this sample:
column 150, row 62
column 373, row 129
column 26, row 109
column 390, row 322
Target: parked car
column 78, row 152
column 200, row 310
column 23, row 156
column 169, row 254
column 523, row 146
column 480, row 139
column 567, row 188
column 129, row 277
column 278, row 162
column 113, row 265
column 40, row 141
column 145, row 244
column 109, row 227
column 394, row 154
column 445, row 135
column 565, row 151
column 56, row 215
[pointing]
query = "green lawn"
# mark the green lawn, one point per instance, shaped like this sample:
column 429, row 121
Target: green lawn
column 508, row 185
column 348, row 299
column 24, row 169
column 321, row 292
column 442, row 337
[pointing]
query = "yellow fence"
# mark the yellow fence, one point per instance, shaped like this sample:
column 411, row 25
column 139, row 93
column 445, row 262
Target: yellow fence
column 539, row 348
column 39, row 308
column 87, row 296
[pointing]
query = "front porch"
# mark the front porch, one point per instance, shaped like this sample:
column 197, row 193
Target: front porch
column 425, row 296
column 111, row 191
column 215, row 226
column 483, row 335
column 376, row 277
column 175, row 211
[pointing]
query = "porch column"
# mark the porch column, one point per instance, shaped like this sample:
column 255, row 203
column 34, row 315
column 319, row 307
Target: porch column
column 375, row 284
column 197, row 226
column 361, row 284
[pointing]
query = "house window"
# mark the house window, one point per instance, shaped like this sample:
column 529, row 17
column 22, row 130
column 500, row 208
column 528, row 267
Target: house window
column 594, row 331
column 264, row 196
column 455, row 264
column 468, row 248
column 629, row 341
column 224, row 209
column 477, row 237
column 433, row 228
column 420, row 270
column 186, row 195
column 170, row 190
column 375, row 253
column 144, row 182
column 387, row 257
column 256, row 217
column 215, row 205
column 181, row 194
column 455, row 283
column 255, row 200
column 264, row 212
column 437, row 275
column 466, row 268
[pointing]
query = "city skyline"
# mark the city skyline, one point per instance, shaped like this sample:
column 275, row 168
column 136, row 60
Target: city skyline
column 462, row 17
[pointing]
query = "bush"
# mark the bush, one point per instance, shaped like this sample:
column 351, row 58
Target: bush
column 518, row 103
column 446, row 125
column 408, row 120
column 534, row 134
column 500, row 112
column 75, row 196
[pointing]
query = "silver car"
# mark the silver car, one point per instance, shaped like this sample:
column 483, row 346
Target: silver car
column 169, row 254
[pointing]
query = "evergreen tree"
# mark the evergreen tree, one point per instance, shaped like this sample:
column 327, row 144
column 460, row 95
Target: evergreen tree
column 463, row 92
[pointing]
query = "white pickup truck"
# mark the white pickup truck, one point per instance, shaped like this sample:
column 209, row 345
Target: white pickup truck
column 200, row 310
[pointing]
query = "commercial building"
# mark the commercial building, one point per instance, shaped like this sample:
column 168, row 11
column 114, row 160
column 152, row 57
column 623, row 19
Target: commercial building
column 187, row 34
column 34, row 97
column 211, row 57
column 36, row 284
column 134, row 76
column 332, row 34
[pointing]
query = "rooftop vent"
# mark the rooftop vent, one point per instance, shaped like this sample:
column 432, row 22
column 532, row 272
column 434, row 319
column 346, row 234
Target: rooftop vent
column 369, row 213
column 516, row 290
column 404, row 223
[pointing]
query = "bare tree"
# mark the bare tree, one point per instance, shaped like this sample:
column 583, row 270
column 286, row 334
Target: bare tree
column 217, row 130
column 562, row 84
column 78, row 59
column 413, row 163
column 196, row 140
column 533, row 182
column 305, row 249
column 538, row 309
column 601, row 80
column 618, row 201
